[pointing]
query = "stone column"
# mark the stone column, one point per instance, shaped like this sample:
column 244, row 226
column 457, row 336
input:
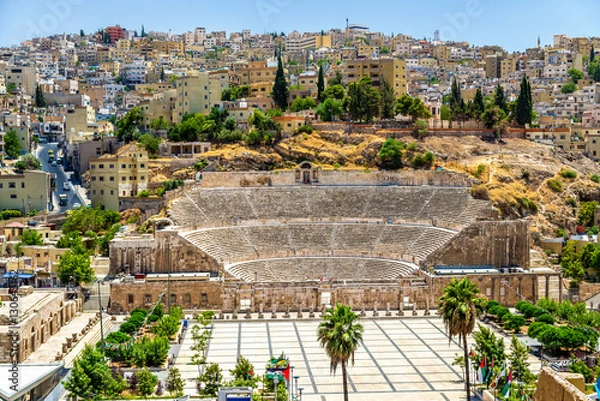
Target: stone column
column 375, row 313
column 548, row 287
column 560, row 288
column 427, row 311
column 533, row 287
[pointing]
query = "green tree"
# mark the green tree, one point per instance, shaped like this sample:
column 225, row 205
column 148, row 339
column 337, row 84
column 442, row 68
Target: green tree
column 515, row 322
column 362, row 101
column 12, row 144
column 70, row 240
column 336, row 80
column 335, row 92
column 300, row 104
column 390, row 154
column 524, row 110
column 167, row 326
column 147, row 382
column 150, row 143
column 159, row 124
column 567, row 88
column 28, row 162
column 445, row 113
column 320, row 83
column 489, row 345
column 340, row 334
column 243, row 373
column 586, row 213
column 329, row 109
column 39, row 97
column 388, row 101
column 280, row 87
column 500, row 99
column 576, row 365
column 570, row 263
column 492, row 117
column 174, row 382
column 143, row 34
column 413, row 107
column 456, row 101
column 478, row 104
column 31, row 237
column 592, row 54
column 575, row 74
column 457, row 307
column 91, row 378
column 211, row 379
column 150, row 352
column 518, row 358
column 75, row 268
column 127, row 127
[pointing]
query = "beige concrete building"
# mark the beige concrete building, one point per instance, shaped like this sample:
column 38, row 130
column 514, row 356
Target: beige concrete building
column 24, row 77
column 392, row 71
column 123, row 175
column 25, row 191
column 193, row 96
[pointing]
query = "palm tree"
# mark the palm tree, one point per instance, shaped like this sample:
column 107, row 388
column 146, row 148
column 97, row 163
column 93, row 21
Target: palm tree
column 459, row 310
column 340, row 334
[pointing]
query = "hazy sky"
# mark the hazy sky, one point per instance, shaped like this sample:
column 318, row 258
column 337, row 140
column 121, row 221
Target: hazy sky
column 513, row 24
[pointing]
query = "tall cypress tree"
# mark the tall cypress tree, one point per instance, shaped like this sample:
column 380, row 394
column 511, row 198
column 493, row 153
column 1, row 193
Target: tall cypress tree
column 478, row 105
column 500, row 98
column 280, row 88
column 524, row 104
column 592, row 54
column 388, row 101
column 143, row 34
column 320, row 83
column 39, row 97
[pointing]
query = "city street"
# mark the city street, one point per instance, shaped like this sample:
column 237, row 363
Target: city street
column 75, row 195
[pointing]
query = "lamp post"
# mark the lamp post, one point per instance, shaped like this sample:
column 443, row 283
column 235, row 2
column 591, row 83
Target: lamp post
column 296, row 378
column 100, row 307
column 275, row 383
column 300, row 390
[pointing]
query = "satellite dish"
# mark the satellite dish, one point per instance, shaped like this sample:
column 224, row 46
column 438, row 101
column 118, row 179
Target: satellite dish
column 80, row 134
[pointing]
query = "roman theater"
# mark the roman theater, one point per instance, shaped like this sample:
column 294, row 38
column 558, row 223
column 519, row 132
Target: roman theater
column 301, row 239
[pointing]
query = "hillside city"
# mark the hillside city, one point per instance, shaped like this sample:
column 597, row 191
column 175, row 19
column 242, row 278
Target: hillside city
column 333, row 215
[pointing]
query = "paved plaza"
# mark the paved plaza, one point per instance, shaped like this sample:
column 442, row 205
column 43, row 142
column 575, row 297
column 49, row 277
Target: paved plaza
column 401, row 359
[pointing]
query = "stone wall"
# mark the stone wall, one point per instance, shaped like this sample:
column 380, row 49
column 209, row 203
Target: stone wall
column 507, row 289
column 331, row 177
column 38, row 324
column 553, row 385
column 496, row 243
column 166, row 251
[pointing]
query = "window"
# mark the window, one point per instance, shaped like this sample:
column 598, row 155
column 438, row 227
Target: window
column 148, row 298
column 112, row 192
column 111, row 178
column 142, row 178
column 173, row 298
column 204, row 298
column 101, row 166
column 101, row 192
column 1, row 185
column 111, row 166
column 122, row 165
column 22, row 185
column 123, row 178
column 94, row 192
column 187, row 299
column 13, row 196
column 129, row 298
column 142, row 165
column 12, row 185
column 488, row 291
column 101, row 178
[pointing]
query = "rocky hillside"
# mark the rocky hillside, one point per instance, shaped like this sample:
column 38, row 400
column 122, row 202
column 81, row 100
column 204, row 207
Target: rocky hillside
column 513, row 173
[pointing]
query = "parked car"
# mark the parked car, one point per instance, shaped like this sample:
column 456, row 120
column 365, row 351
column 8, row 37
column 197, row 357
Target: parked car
column 76, row 205
column 66, row 186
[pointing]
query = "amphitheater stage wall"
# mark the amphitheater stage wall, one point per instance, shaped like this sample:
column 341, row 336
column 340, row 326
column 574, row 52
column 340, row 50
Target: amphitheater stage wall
column 346, row 177
column 484, row 243
column 507, row 289
column 563, row 386
column 167, row 251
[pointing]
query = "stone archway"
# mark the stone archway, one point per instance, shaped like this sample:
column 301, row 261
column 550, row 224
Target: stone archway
column 307, row 173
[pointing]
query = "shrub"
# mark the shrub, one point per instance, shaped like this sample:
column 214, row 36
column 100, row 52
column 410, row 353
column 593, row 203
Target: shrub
column 147, row 352
column 308, row 129
column 480, row 169
column 390, row 154
column 117, row 337
column 136, row 320
column 545, row 318
column 144, row 194
column 571, row 202
column 515, row 323
column 536, row 328
column 525, row 174
column 11, row 214
column 143, row 311
column 176, row 312
column 521, row 305
column 492, row 310
column 418, row 161
column 128, row 328
column 490, row 304
column 412, row 146
column 566, row 173
column 528, row 204
column 429, row 157
column 200, row 165
column 555, row 185
column 595, row 178
column 160, row 191
column 153, row 318
column 480, row 192
column 501, row 311
column 166, row 327
column 532, row 311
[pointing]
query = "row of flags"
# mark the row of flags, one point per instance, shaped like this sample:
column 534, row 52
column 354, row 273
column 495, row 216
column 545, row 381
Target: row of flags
column 484, row 373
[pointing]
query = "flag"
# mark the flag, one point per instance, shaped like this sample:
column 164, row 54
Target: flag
column 481, row 371
column 471, row 354
column 490, row 371
column 500, row 375
column 506, row 390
